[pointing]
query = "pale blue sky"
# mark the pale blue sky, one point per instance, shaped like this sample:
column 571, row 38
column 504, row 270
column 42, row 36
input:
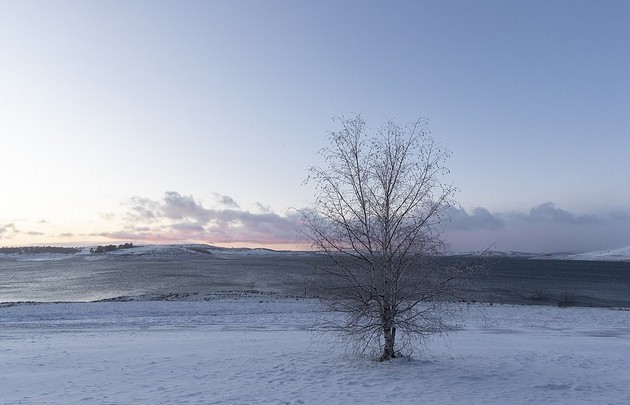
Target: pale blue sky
column 112, row 108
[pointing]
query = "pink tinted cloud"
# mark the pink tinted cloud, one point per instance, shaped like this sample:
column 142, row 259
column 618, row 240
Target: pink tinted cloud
column 178, row 217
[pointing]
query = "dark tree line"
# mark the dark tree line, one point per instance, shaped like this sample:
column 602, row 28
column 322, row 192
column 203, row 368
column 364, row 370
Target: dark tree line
column 110, row 248
column 38, row 249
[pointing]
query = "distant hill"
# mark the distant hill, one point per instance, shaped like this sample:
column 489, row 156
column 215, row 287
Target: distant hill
column 620, row 255
column 181, row 250
column 187, row 250
column 34, row 250
column 129, row 250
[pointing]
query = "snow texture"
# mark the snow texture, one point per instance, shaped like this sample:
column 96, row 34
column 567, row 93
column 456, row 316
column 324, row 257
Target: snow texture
column 622, row 254
column 188, row 250
column 269, row 350
column 155, row 251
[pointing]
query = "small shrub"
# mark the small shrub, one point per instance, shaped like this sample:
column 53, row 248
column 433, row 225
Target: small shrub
column 565, row 300
column 539, row 295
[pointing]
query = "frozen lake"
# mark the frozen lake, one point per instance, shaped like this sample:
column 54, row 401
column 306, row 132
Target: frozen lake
column 94, row 277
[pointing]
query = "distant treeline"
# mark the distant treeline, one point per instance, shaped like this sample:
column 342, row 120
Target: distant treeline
column 110, row 248
column 29, row 250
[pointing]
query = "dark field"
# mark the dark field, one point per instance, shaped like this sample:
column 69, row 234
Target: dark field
column 506, row 280
column 554, row 282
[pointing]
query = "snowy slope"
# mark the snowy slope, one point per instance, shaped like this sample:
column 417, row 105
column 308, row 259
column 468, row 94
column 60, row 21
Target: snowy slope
column 184, row 250
column 622, row 254
column 262, row 350
column 178, row 250
column 163, row 251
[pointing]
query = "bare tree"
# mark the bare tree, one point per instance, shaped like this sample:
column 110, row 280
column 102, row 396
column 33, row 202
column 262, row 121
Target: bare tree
column 379, row 202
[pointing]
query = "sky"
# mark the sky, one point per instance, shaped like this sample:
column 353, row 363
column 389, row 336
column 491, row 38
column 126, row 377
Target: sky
column 196, row 121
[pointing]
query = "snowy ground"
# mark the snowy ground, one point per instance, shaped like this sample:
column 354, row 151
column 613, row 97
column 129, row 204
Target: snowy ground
column 263, row 349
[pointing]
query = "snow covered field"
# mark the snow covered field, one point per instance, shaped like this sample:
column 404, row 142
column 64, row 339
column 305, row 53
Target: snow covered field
column 266, row 349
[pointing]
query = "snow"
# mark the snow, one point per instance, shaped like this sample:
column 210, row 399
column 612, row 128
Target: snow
column 622, row 254
column 180, row 250
column 41, row 257
column 231, row 349
column 151, row 251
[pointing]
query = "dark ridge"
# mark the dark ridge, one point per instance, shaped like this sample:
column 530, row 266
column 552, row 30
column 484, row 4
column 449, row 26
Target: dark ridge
column 39, row 249
column 111, row 248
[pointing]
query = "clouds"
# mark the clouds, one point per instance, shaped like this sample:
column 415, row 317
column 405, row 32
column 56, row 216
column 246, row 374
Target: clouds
column 549, row 213
column 174, row 218
column 178, row 217
column 480, row 218
column 181, row 218
column 140, row 210
column 10, row 231
column 179, row 207
column 7, row 230
column 35, row 232
column 226, row 200
column 546, row 213
column 543, row 228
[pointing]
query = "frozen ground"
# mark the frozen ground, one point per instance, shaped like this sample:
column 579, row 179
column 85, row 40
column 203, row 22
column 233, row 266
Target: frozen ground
column 264, row 349
column 622, row 254
column 159, row 270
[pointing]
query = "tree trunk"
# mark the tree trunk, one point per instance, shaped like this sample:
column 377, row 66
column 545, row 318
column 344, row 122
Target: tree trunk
column 390, row 339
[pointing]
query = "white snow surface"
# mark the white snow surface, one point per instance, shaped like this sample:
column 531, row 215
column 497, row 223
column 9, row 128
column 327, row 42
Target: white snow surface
column 622, row 254
column 269, row 350
column 181, row 250
column 172, row 250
